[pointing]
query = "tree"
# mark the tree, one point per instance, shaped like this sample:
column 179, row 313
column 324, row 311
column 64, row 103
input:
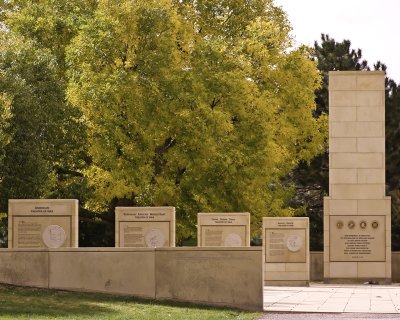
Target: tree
column 42, row 136
column 195, row 104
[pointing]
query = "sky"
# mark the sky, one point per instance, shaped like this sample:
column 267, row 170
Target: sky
column 371, row 25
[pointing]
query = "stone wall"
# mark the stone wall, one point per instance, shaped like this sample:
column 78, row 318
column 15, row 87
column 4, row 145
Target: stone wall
column 213, row 276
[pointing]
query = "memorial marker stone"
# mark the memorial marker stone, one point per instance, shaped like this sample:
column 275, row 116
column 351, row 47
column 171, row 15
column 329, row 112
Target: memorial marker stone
column 286, row 256
column 42, row 223
column 145, row 227
column 223, row 229
column 357, row 214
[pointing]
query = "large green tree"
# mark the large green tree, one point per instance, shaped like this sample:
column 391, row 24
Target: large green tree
column 42, row 136
column 195, row 104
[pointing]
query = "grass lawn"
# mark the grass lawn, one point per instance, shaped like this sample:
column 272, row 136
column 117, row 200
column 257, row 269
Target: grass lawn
column 26, row 303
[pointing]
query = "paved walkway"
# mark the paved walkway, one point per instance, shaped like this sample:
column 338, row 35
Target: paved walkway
column 333, row 298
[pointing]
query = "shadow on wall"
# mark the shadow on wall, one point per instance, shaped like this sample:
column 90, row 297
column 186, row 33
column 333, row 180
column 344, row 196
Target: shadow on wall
column 3, row 231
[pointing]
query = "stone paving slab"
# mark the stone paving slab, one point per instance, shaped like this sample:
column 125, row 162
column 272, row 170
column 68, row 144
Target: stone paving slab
column 326, row 316
column 324, row 298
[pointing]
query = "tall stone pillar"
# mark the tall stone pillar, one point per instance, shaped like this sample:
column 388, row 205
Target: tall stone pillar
column 357, row 224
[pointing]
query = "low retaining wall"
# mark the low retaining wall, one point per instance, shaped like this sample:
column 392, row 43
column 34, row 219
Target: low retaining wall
column 214, row 276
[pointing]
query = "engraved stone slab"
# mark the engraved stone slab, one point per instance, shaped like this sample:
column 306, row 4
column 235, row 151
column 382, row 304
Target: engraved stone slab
column 39, row 223
column 283, row 245
column 223, row 229
column 146, row 227
column 286, row 252
column 357, row 238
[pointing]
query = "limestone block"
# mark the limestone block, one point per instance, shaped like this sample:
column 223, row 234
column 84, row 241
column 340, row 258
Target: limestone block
column 370, row 114
column 357, row 160
column 388, row 223
column 342, row 99
column 371, row 144
column 343, row 114
column 389, row 270
column 371, row 81
column 343, row 176
column 24, row 268
column 343, row 145
column 326, row 222
column 326, row 269
column 388, row 206
column 358, row 191
column 274, row 267
column 285, row 275
column 316, row 266
column 370, row 98
column 296, row 267
column 343, row 207
column 368, row 207
column 326, row 202
column 326, row 253
column 287, row 283
column 121, row 271
column 326, row 236
column 343, row 270
column 218, row 276
column 371, row 175
column 357, row 129
column 388, row 242
column 342, row 82
column 371, row 270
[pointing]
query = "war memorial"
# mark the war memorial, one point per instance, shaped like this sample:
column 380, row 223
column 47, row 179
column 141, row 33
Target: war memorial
column 224, row 269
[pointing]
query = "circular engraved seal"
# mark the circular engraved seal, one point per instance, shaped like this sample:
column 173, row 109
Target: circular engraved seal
column 54, row 236
column 363, row 224
column 294, row 242
column 339, row 224
column 233, row 240
column 375, row 224
column 351, row 224
column 154, row 238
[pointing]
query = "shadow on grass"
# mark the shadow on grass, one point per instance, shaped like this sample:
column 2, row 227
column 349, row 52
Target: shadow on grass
column 18, row 301
column 46, row 303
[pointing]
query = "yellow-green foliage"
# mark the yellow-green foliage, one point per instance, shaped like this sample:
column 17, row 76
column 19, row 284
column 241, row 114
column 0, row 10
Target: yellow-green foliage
column 202, row 105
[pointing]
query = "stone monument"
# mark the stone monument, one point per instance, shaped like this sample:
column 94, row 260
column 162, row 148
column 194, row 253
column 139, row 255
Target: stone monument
column 146, row 227
column 286, row 255
column 357, row 220
column 42, row 223
column 223, row 229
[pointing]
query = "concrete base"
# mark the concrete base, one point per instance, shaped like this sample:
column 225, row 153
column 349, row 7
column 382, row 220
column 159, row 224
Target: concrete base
column 380, row 281
column 280, row 283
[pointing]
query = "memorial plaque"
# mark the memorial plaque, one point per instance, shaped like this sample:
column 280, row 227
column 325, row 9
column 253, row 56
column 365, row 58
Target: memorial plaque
column 357, row 238
column 145, row 227
column 50, row 223
column 223, row 230
column 285, row 245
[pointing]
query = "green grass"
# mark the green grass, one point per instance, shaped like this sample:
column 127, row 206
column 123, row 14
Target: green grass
column 27, row 303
